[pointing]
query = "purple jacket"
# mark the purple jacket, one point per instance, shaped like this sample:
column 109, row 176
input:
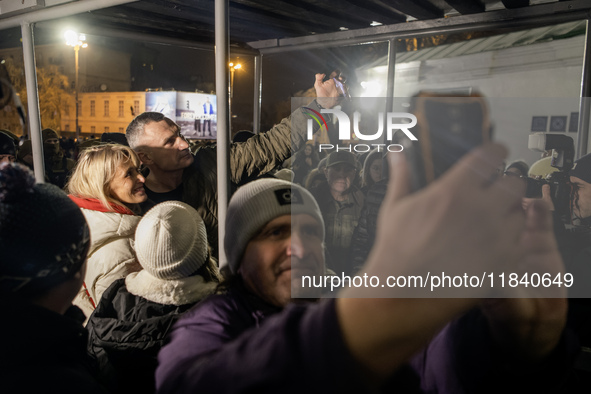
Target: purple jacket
column 210, row 350
column 302, row 350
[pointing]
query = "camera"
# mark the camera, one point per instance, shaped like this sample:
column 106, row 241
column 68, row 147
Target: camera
column 563, row 153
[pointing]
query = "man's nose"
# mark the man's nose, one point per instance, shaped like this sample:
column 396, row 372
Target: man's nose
column 141, row 178
column 296, row 247
column 183, row 144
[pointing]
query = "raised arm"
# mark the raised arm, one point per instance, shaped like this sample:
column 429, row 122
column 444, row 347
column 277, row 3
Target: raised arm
column 263, row 152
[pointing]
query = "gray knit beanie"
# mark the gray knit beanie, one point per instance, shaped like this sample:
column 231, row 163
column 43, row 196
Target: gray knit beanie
column 256, row 204
column 171, row 241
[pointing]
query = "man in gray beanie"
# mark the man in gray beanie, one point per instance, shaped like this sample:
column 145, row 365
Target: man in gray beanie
column 252, row 338
column 275, row 233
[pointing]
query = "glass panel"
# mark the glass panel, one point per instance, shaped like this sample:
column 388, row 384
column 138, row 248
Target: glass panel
column 12, row 69
column 542, row 66
column 125, row 72
column 291, row 74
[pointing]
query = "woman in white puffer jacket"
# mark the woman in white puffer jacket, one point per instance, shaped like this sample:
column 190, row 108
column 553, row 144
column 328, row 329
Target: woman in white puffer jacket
column 107, row 185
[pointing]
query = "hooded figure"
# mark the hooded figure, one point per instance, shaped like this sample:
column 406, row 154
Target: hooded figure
column 57, row 167
column 7, row 148
column 44, row 241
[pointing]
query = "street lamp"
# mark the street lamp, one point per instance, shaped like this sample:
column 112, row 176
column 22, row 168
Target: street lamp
column 76, row 41
column 233, row 67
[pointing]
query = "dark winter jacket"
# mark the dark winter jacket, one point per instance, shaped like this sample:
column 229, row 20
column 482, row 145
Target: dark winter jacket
column 575, row 247
column 44, row 352
column 232, row 344
column 340, row 220
column 364, row 235
column 301, row 168
column 222, row 346
column 464, row 358
column 126, row 332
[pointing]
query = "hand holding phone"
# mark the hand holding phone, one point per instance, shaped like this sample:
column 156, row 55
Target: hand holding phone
column 340, row 83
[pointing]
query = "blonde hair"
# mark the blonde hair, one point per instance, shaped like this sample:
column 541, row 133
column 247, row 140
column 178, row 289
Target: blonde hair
column 96, row 169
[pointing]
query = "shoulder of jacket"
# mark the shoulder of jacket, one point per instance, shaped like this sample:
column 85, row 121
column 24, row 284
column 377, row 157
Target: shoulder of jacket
column 105, row 224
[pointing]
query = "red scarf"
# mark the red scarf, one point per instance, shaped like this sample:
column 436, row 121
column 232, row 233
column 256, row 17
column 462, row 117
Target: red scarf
column 96, row 205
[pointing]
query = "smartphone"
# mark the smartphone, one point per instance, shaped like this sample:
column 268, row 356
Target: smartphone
column 339, row 81
column 342, row 88
column 448, row 126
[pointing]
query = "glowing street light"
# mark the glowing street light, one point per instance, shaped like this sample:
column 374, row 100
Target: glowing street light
column 233, row 68
column 76, row 41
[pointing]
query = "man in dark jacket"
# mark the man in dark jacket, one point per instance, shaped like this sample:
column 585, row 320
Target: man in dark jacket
column 364, row 235
column 340, row 202
column 44, row 240
column 176, row 174
column 575, row 246
column 57, row 166
column 258, row 337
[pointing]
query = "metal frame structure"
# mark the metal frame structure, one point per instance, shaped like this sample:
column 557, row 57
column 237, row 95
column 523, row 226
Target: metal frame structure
column 527, row 17
column 222, row 59
column 26, row 21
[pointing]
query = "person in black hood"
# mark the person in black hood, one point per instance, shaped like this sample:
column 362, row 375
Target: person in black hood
column 7, row 148
column 57, row 167
column 43, row 349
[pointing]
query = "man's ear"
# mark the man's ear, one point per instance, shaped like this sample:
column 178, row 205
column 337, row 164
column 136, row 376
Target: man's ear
column 145, row 158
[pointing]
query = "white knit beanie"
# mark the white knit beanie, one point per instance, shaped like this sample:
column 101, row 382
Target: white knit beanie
column 256, row 204
column 171, row 241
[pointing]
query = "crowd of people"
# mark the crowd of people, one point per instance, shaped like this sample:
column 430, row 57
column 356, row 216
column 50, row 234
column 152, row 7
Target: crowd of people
column 110, row 279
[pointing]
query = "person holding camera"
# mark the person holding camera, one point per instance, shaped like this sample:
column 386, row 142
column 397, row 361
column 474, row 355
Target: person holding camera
column 574, row 241
column 580, row 178
column 574, row 236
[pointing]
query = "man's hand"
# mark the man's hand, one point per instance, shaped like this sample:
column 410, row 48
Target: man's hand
column 546, row 197
column 327, row 94
column 531, row 327
column 468, row 220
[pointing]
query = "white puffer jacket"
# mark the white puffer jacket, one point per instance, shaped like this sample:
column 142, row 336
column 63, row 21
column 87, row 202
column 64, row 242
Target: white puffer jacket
column 111, row 255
